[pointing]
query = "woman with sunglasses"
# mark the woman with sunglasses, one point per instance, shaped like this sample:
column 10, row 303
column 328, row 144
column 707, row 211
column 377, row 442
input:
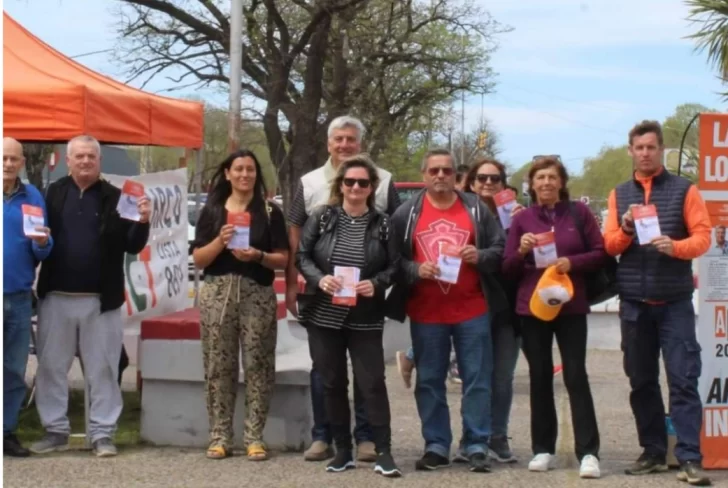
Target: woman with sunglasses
column 347, row 255
column 237, row 302
column 486, row 178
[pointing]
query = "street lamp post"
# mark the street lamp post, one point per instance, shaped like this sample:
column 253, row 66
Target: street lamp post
column 236, row 72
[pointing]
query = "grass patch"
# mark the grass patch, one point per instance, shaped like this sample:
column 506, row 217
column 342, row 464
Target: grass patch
column 127, row 434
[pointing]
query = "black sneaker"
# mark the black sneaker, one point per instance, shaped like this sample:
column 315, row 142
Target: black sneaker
column 501, row 450
column 13, row 448
column 342, row 461
column 386, row 466
column 479, row 463
column 691, row 473
column 647, row 464
column 431, row 461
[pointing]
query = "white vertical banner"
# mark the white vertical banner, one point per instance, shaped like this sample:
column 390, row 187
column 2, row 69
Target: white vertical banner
column 713, row 287
column 156, row 278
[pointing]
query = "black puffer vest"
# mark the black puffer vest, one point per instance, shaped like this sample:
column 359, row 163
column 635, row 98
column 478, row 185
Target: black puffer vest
column 643, row 273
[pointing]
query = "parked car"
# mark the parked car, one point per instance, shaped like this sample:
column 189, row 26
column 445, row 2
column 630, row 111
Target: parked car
column 405, row 189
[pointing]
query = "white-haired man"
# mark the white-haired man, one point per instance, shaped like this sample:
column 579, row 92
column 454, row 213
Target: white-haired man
column 345, row 134
column 81, row 291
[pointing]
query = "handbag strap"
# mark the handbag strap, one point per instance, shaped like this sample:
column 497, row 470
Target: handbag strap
column 579, row 225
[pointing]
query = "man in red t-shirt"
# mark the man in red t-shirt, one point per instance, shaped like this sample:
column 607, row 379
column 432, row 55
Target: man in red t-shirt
column 451, row 245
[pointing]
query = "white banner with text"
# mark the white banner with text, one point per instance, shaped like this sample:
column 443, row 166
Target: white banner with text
column 156, row 278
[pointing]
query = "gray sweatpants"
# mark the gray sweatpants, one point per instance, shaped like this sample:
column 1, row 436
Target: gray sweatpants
column 65, row 323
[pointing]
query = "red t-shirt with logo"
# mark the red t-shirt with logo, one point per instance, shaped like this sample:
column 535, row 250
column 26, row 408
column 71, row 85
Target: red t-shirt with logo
column 434, row 301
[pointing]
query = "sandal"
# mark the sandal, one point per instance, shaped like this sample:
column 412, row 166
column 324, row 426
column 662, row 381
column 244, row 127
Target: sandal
column 218, row 452
column 257, row 452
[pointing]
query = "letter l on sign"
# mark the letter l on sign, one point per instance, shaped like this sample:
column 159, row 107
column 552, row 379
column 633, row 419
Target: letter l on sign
column 716, row 136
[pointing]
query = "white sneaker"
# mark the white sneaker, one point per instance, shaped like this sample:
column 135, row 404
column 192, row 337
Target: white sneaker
column 589, row 467
column 541, row 462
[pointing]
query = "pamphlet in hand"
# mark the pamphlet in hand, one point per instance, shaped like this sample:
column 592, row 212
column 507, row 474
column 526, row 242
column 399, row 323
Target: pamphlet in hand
column 449, row 262
column 131, row 192
column 32, row 218
column 349, row 277
column 505, row 202
column 646, row 223
column 544, row 252
column 241, row 238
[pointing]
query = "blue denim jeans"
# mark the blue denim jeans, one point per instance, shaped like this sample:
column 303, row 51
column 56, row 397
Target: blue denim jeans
column 647, row 329
column 474, row 352
column 321, row 430
column 17, row 313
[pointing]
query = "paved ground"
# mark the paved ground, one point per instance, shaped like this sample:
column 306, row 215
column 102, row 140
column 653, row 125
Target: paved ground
column 170, row 467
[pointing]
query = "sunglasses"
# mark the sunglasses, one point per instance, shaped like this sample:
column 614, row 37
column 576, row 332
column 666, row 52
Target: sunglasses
column 484, row 178
column 436, row 171
column 362, row 182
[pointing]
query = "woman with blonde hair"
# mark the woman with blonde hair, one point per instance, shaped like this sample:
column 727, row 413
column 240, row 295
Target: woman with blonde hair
column 348, row 257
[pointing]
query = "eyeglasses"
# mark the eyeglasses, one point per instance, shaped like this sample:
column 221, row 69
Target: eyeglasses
column 447, row 171
column 484, row 178
column 362, row 182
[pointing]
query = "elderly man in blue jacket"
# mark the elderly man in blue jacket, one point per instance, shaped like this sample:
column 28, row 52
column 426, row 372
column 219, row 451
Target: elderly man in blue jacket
column 21, row 255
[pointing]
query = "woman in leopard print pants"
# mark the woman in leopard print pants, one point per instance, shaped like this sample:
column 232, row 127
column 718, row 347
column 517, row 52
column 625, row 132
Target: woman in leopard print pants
column 240, row 240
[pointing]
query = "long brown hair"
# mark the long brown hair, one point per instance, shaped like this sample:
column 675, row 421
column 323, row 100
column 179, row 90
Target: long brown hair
column 357, row 161
column 544, row 163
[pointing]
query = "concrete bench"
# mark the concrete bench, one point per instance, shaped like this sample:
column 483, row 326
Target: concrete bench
column 174, row 411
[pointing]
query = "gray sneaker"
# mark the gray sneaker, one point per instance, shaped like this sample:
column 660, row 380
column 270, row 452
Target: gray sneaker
column 50, row 443
column 104, row 448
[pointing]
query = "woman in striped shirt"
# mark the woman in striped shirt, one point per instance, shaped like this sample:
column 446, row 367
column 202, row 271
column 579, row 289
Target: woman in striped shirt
column 347, row 256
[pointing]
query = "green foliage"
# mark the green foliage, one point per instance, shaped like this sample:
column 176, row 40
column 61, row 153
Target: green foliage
column 712, row 35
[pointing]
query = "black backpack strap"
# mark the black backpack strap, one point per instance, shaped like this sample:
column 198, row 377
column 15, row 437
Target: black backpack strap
column 325, row 219
column 384, row 228
column 579, row 225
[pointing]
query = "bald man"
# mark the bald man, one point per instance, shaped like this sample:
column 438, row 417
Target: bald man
column 21, row 255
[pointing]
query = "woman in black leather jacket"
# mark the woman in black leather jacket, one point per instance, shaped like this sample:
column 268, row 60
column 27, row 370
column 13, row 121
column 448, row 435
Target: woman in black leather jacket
column 339, row 240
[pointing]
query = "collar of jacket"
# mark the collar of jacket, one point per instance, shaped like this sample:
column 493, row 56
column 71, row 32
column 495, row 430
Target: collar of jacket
column 659, row 178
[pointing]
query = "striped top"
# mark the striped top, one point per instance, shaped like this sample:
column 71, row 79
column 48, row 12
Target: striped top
column 348, row 251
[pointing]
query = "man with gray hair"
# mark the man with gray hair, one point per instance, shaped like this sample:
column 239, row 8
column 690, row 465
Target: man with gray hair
column 81, row 291
column 345, row 134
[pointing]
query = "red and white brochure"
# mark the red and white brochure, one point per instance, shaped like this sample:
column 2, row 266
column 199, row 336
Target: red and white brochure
column 646, row 223
column 32, row 219
column 131, row 192
column 241, row 238
column 449, row 262
column 544, row 252
column 349, row 277
column 505, row 201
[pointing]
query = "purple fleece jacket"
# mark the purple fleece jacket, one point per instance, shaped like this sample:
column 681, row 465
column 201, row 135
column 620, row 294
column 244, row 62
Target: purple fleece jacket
column 537, row 219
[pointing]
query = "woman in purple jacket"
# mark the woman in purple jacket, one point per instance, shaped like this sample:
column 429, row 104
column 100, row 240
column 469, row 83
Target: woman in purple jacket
column 553, row 211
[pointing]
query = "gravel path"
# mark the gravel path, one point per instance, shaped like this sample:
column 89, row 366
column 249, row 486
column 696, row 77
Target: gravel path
column 173, row 467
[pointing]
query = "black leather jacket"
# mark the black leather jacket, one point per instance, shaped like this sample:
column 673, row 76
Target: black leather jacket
column 313, row 258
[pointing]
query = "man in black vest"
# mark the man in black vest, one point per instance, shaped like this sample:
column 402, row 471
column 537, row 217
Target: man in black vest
column 656, row 310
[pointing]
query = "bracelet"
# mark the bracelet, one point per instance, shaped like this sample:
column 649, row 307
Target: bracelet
column 260, row 258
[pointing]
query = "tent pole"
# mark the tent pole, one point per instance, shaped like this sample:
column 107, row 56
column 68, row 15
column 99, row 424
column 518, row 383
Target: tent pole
column 198, row 196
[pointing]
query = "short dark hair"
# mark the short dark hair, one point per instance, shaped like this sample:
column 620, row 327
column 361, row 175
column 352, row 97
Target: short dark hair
column 461, row 171
column 646, row 127
column 435, row 152
column 544, row 163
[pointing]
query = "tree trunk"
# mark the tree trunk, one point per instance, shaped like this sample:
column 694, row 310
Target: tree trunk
column 36, row 157
column 303, row 155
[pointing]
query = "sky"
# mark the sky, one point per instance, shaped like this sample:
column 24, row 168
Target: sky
column 572, row 75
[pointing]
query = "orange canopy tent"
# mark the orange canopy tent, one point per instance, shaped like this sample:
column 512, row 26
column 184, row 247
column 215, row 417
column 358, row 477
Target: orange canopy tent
column 49, row 97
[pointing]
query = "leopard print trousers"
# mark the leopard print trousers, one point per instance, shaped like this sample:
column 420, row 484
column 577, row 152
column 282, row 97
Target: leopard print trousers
column 236, row 311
